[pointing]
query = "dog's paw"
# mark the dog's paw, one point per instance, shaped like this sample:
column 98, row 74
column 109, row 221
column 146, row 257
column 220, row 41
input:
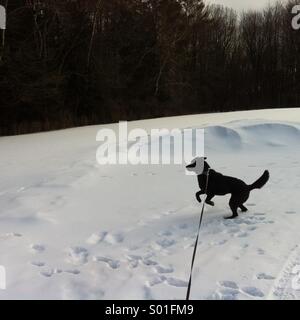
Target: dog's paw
column 198, row 198
column 211, row 203
column 243, row 208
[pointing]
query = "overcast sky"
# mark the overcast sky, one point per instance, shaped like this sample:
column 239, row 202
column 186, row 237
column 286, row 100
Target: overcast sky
column 241, row 5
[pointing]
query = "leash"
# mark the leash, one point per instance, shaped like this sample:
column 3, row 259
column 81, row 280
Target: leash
column 196, row 243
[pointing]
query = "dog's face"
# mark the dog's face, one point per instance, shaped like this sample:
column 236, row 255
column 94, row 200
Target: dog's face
column 198, row 166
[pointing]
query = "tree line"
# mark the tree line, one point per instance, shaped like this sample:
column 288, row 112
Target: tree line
column 66, row 63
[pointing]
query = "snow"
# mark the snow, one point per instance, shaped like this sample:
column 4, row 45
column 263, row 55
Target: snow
column 73, row 229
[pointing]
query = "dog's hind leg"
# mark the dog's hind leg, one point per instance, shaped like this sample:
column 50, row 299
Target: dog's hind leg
column 233, row 204
column 243, row 198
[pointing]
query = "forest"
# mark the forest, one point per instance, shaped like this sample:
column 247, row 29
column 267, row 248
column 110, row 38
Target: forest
column 67, row 63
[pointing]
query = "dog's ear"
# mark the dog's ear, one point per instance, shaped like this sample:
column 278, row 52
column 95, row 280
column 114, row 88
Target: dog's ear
column 206, row 166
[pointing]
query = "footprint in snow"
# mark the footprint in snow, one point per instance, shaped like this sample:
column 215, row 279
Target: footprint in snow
column 264, row 276
column 47, row 273
column 72, row 271
column 114, row 238
column 165, row 243
column 134, row 257
column 113, row 264
column 37, row 248
column 252, row 292
column 78, row 255
column 174, row 282
column 261, row 218
column 260, row 251
column 149, row 262
column 159, row 279
column 38, row 263
column 96, row 238
column 229, row 290
column 166, row 233
column 226, row 294
column 290, row 212
column 248, row 221
column 162, row 269
column 50, row 272
column 10, row 235
column 133, row 260
column 133, row 264
column 155, row 280
column 228, row 284
column 111, row 238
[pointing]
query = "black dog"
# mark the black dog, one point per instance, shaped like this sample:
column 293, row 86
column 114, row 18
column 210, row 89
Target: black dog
column 213, row 184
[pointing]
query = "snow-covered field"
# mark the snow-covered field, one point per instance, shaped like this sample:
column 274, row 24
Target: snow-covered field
column 72, row 229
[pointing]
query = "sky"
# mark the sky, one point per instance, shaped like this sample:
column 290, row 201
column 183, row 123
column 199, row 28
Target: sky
column 241, row 5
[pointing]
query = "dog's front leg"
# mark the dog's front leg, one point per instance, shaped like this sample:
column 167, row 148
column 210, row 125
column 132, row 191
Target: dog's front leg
column 208, row 200
column 198, row 194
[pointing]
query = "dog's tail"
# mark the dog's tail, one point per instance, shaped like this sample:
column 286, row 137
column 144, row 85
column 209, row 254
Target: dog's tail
column 258, row 184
